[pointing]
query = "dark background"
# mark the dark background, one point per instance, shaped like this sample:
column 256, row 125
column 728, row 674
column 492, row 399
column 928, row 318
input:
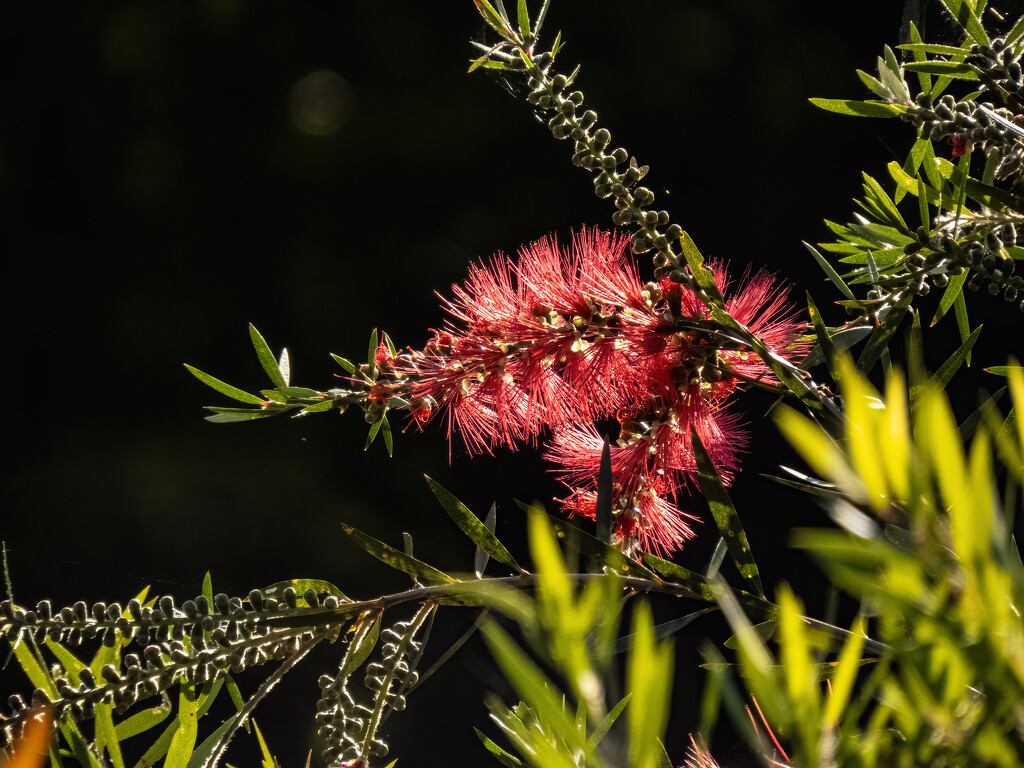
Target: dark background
column 159, row 194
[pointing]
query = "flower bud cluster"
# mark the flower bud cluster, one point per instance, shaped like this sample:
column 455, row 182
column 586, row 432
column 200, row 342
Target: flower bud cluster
column 350, row 729
column 616, row 173
column 196, row 642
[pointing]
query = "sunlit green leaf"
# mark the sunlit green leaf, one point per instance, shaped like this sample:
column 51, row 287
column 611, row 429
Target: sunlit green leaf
column 266, row 358
column 142, row 721
column 225, row 389
column 184, row 739
column 704, row 277
column 859, row 108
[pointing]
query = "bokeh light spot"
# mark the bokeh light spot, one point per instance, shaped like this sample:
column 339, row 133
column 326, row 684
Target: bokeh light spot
column 320, row 103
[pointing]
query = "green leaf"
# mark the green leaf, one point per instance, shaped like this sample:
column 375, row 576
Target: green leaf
column 184, row 738
column 704, row 277
column 347, row 365
column 229, row 418
column 470, row 524
column 374, row 429
column 320, row 407
column 523, row 15
column 878, row 341
column 963, row 12
column 962, row 322
column 726, row 517
column 266, row 358
column 142, row 721
column 873, row 84
column 503, row 757
column 371, row 357
column 923, row 78
column 954, row 289
column 300, row 586
column 395, row 558
column 480, row 557
column 606, row 723
column 1003, row 370
column 284, row 365
column 649, row 680
column 385, row 429
column 225, row 389
column 532, row 685
column 301, row 393
column 874, row 192
column 845, row 674
column 828, row 270
column 945, row 373
column 106, row 736
column 268, row 759
column 824, row 340
column 492, row 17
column 859, row 108
column 363, row 641
column 955, row 69
column 945, row 50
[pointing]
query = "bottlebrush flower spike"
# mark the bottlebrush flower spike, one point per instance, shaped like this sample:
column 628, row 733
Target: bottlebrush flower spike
column 563, row 338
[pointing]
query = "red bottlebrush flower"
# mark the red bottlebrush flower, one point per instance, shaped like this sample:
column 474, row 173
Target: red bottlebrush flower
column 383, row 358
column 960, row 144
column 564, row 337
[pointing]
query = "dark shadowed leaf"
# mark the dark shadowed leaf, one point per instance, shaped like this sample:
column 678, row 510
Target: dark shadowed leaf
column 726, row 517
column 395, row 558
column 471, row 525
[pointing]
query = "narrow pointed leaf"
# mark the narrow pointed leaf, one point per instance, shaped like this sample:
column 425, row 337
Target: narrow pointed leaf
column 606, row 723
column 828, row 349
column 346, row 364
column 266, row 358
column 503, row 757
column 480, row 557
column 879, row 340
column 389, row 441
column 374, row 429
column 360, row 647
column 704, row 277
column 284, row 365
column 395, row 558
column 945, row 373
column 141, row 722
column 470, row 524
column 371, row 355
column 223, row 387
column 228, row 418
column 184, row 739
column 726, row 517
column 523, row 15
column 859, row 108
column 837, row 281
